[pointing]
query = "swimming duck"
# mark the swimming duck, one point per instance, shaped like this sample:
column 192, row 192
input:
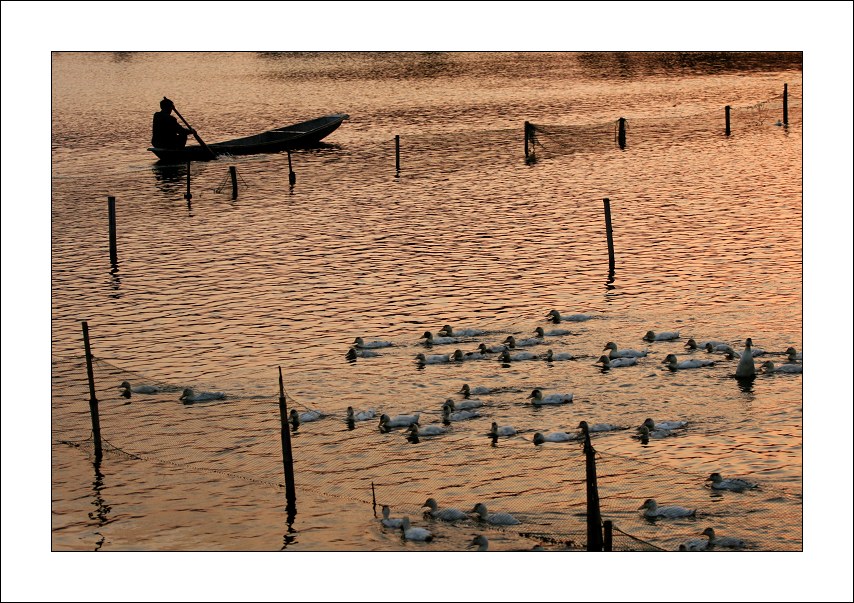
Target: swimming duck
column 467, row 391
column 463, row 404
column 644, row 433
column 480, row 541
column 724, row 541
column 497, row 519
column 666, row 336
column 429, row 339
column 556, row 317
column 557, row 436
column 552, row 357
column 733, row 483
column 419, row 534
column 460, row 356
column 306, row 417
column 617, row 353
column 721, row 348
column 504, row 430
column 447, row 514
column 461, row 415
column 506, row 357
column 390, row 522
column 511, row 342
column 616, row 362
column 663, row 425
column 746, row 367
column 365, row 415
column 387, row 422
column 432, row 358
column 538, row 399
column 354, row 353
column 540, row 332
column 127, row 390
column 491, row 349
column 448, row 331
column 416, row 431
column 769, row 367
column 598, row 427
column 188, row 396
column 673, row 363
column 653, row 510
column 794, row 355
column 693, row 345
column 695, row 546
column 366, row 345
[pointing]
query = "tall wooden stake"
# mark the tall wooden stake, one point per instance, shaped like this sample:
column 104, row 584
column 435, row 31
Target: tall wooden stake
column 594, row 517
column 397, row 152
column 232, row 170
column 609, row 233
column 287, row 457
column 621, row 133
column 292, row 177
column 527, row 136
column 786, row 104
column 93, row 401
column 188, row 195
column 726, row 110
column 111, row 210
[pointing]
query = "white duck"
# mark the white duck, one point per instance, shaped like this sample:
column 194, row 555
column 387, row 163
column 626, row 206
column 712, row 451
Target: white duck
column 467, row 391
column 506, row 357
column 617, row 353
column 127, row 390
column 370, row 345
column 537, row 398
column 390, row 522
column 665, row 336
column 480, row 541
column 598, row 427
column 497, row 519
column 463, row 404
column 769, row 367
column 733, row 484
column 364, row 415
column 653, row 510
column 746, row 367
column 189, row 396
column 415, row 430
column 694, row 546
column 692, row 344
column 615, row 362
column 418, row 534
column 306, row 417
column 504, row 430
column 557, row 436
column 460, row 356
column 354, row 353
column 794, row 355
column 429, row 339
column 512, row 343
column 673, row 363
column 446, row 514
column 461, row 415
column 552, row 357
column 491, row 349
column 663, row 425
column 540, row 332
column 644, row 433
column 724, row 541
column 556, row 317
column 387, row 422
column 721, row 348
column 448, row 331
column 432, row 358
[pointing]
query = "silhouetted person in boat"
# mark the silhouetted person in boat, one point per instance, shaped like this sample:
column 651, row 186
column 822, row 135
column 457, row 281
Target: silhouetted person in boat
column 166, row 132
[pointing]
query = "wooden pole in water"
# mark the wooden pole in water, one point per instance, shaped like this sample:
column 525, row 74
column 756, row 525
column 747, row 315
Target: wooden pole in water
column 374, row 498
column 397, row 152
column 287, row 456
column 621, row 133
column 188, row 195
column 527, row 130
column 608, row 541
column 786, row 104
column 292, row 177
column 93, row 401
column 232, row 170
column 111, row 210
column 609, row 233
column 594, row 517
column 726, row 110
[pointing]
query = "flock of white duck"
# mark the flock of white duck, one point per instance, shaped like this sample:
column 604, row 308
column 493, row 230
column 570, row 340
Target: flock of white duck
column 508, row 352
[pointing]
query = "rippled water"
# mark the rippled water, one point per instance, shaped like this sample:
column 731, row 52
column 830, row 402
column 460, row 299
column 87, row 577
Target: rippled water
column 218, row 293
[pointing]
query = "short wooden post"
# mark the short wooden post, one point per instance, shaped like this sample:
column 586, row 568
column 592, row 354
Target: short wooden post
column 621, row 132
column 111, row 210
column 608, row 541
column 188, row 195
column 609, row 233
column 233, row 172
column 397, row 152
column 292, row 177
column 374, row 498
column 527, row 136
column 93, row 401
column 786, row 104
column 594, row 517
column 287, row 457
column 726, row 110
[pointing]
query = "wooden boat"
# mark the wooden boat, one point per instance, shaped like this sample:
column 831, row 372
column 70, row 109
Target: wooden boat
column 297, row 136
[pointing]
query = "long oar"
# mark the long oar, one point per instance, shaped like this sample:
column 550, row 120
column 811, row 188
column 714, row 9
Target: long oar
column 195, row 135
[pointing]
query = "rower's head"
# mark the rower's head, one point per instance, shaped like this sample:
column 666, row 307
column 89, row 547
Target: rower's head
column 166, row 105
